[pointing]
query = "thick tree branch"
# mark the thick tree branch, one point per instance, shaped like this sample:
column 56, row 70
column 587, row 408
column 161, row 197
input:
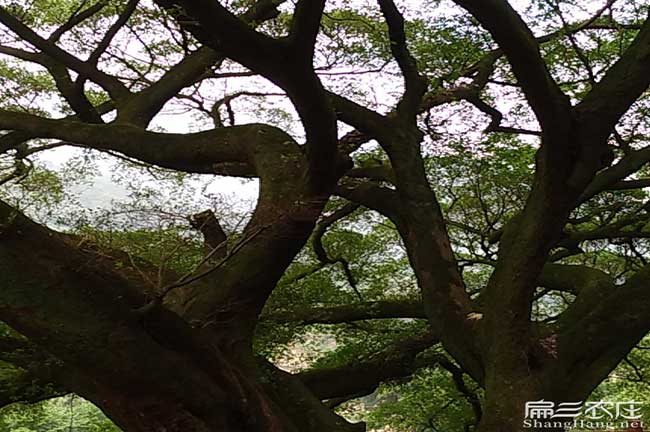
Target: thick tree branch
column 213, row 25
column 630, row 184
column 363, row 376
column 77, row 308
column 574, row 279
column 383, row 309
column 599, row 329
column 73, row 93
column 365, row 120
column 381, row 199
column 621, row 86
column 14, row 139
column 144, row 105
column 197, row 152
column 305, row 26
column 301, row 404
column 629, row 164
column 415, row 84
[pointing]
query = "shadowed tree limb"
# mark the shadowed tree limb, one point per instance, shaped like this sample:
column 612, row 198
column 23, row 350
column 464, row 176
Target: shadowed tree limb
column 384, row 309
column 54, row 296
column 305, row 26
column 627, row 165
column 362, row 377
column 197, row 152
column 70, row 299
column 599, row 329
column 630, row 184
column 574, row 279
column 216, row 27
column 297, row 400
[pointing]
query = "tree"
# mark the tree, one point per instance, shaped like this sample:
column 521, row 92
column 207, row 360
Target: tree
column 487, row 253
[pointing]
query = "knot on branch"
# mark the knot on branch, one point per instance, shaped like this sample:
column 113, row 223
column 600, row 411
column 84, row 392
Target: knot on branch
column 213, row 234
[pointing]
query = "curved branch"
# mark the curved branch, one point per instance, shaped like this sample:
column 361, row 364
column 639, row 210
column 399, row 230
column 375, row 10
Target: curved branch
column 197, row 152
column 575, row 279
column 75, row 306
column 415, row 84
column 317, row 242
column 521, row 48
column 306, row 410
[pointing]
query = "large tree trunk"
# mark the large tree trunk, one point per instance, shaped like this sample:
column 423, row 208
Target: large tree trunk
column 505, row 402
column 248, row 400
column 147, row 371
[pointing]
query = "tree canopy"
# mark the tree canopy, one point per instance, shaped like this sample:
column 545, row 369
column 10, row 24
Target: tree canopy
column 450, row 216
